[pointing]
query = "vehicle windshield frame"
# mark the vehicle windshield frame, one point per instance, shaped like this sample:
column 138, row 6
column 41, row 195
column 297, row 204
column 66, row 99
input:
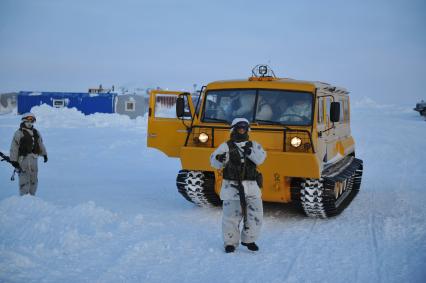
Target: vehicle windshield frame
column 254, row 110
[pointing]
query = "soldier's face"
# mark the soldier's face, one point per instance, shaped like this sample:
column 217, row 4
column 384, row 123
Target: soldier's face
column 28, row 124
column 241, row 131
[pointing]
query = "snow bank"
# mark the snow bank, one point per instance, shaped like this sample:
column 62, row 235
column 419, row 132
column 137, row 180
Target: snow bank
column 368, row 103
column 36, row 235
column 50, row 117
column 65, row 229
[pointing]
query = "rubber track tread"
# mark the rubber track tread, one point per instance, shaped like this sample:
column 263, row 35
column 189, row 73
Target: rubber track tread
column 198, row 187
column 316, row 197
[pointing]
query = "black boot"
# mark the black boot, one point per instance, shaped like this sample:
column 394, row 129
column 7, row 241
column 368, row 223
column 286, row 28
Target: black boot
column 251, row 246
column 229, row 249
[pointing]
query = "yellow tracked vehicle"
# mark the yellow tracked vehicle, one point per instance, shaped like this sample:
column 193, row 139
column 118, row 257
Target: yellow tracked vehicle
column 303, row 125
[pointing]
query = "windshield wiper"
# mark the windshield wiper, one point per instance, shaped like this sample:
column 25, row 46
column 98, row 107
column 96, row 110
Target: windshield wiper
column 216, row 119
column 269, row 122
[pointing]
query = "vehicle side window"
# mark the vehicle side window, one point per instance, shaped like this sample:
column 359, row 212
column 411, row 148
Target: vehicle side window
column 321, row 110
column 327, row 109
column 165, row 106
column 342, row 115
column 346, row 110
column 187, row 110
column 195, row 98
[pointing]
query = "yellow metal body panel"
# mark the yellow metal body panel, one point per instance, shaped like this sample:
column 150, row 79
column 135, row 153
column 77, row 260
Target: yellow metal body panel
column 196, row 158
column 347, row 145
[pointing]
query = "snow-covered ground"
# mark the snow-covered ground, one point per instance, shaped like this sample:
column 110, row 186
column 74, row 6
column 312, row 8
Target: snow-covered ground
column 107, row 210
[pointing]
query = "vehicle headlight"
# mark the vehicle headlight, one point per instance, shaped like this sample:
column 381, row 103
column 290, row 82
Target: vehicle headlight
column 296, row 141
column 203, row 137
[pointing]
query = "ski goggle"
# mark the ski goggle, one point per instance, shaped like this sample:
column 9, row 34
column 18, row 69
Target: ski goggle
column 241, row 125
column 29, row 119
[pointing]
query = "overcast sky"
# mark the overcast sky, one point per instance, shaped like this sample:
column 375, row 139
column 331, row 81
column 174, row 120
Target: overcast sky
column 374, row 48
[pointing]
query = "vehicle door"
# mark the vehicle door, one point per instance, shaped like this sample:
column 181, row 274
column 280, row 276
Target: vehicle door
column 329, row 134
column 166, row 131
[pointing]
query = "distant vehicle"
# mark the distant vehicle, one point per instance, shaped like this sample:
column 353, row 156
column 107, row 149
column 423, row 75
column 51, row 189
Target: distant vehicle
column 304, row 126
column 421, row 108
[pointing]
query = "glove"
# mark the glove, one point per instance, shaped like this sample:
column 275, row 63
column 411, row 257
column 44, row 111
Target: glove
column 221, row 157
column 15, row 164
column 45, row 158
column 247, row 148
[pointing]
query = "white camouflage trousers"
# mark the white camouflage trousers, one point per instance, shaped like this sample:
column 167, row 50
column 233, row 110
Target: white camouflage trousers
column 28, row 180
column 232, row 218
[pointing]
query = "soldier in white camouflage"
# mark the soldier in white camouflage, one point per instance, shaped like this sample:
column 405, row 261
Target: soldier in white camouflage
column 27, row 145
column 240, row 192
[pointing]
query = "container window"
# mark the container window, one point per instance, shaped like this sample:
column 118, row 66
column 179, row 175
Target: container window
column 58, row 103
column 130, row 106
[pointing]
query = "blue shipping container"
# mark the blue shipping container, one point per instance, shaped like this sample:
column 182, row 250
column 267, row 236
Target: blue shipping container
column 84, row 102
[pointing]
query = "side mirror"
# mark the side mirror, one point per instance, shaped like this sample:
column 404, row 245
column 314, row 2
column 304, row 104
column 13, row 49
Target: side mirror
column 180, row 107
column 335, row 112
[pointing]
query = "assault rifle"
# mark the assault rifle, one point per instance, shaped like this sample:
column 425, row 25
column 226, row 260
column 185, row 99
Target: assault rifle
column 239, row 186
column 7, row 159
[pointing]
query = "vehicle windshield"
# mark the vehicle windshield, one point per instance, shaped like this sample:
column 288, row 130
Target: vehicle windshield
column 258, row 105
